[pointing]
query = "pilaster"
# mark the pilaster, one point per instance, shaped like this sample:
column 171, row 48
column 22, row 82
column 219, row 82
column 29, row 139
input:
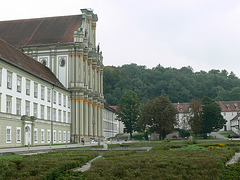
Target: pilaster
column 85, row 123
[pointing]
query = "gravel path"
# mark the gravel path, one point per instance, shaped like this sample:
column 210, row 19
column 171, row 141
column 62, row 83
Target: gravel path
column 218, row 135
column 234, row 159
column 87, row 166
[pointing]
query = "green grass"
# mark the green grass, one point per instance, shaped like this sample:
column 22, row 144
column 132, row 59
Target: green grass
column 226, row 133
column 82, row 148
column 12, row 156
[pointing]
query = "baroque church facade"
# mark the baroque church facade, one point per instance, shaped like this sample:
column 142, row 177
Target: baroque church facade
column 67, row 46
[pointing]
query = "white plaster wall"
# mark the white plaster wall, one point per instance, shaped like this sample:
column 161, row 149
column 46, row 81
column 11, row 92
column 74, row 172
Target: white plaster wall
column 22, row 95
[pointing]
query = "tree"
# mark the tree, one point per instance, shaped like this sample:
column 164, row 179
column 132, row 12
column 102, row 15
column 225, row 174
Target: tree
column 159, row 115
column 195, row 120
column 211, row 116
column 205, row 116
column 128, row 111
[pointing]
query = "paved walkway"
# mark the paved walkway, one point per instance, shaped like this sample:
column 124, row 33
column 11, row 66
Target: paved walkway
column 234, row 159
column 29, row 150
column 218, row 135
column 87, row 166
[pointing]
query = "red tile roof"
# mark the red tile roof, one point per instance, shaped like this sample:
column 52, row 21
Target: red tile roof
column 11, row 55
column 229, row 105
column 39, row 31
column 109, row 108
column 182, row 107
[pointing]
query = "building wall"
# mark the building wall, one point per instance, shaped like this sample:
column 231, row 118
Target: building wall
column 82, row 74
column 34, row 109
column 228, row 116
column 111, row 126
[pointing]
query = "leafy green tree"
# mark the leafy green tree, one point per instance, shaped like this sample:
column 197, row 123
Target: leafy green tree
column 159, row 115
column 195, row 120
column 181, row 85
column 211, row 116
column 128, row 111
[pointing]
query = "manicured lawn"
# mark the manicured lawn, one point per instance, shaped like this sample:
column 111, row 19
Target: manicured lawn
column 167, row 160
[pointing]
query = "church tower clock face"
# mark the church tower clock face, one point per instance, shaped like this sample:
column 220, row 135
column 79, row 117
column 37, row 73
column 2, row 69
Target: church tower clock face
column 62, row 62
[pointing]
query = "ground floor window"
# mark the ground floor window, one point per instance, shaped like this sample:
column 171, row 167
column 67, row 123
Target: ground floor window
column 49, row 136
column 54, row 136
column 42, row 135
column 8, row 134
column 18, row 135
column 35, row 135
column 68, row 136
column 60, row 136
column 64, row 136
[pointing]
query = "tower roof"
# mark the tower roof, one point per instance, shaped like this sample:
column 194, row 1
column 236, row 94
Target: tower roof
column 40, row 31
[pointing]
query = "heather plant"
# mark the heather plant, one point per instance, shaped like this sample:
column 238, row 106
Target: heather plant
column 160, row 164
column 43, row 166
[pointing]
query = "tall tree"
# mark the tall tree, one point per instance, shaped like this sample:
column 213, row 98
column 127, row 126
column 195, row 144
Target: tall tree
column 195, row 120
column 128, row 111
column 212, row 117
column 159, row 115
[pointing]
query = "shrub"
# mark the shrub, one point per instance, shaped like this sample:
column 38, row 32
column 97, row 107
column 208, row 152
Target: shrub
column 183, row 133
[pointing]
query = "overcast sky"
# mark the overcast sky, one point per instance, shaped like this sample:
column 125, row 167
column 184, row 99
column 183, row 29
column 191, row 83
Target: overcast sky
column 203, row 34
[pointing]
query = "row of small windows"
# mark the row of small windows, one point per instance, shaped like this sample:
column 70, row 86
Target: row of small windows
column 62, row 136
column 108, row 115
column 109, row 126
column 62, row 115
column 61, row 97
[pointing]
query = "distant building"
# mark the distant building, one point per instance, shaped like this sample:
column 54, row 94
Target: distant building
column 230, row 109
column 111, row 126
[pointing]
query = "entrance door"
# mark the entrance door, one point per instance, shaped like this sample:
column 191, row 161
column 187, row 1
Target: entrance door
column 27, row 135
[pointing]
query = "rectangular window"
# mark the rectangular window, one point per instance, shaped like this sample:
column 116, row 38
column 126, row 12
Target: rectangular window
column 35, row 90
column 19, row 83
column 64, row 116
column 42, row 92
column 59, row 98
column 64, row 136
column 59, row 136
column 48, row 113
column 8, row 134
column 69, row 117
column 54, row 114
column 35, row 109
column 64, row 100
column 18, row 107
column 59, row 115
column 54, row 97
column 27, row 87
column 18, row 134
column 69, row 102
column 42, row 111
column 48, row 95
column 68, row 136
column 9, row 105
column 54, row 136
column 42, row 135
column 9, row 80
column 35, row 135
column 27, row 109
column 49, row 136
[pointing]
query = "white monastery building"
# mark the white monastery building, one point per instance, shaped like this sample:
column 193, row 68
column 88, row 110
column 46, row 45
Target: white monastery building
column 58, row 95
